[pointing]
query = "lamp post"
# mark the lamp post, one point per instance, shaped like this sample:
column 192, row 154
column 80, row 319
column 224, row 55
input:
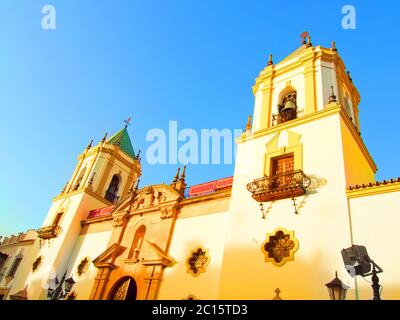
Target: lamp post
column 56, row 290
column 337, row 290
column 358, row 263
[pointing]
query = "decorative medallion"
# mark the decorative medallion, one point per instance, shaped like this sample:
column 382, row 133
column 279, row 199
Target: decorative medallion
column 37, row 263
column 198, row 261
column 280, row 247
column 83, row 266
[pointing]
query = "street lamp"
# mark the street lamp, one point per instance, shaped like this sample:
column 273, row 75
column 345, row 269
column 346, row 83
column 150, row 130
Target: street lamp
column 358, row 263
column 337, row 290
column 56, row 290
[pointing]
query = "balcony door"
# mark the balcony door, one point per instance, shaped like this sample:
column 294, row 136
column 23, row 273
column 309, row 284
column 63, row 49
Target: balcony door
column 281, row 169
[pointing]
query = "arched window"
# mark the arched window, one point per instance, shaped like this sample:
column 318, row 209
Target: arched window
column 287, row 107
column 79, row 180
column 112, row 191
column 137, row 243
column 124, row 289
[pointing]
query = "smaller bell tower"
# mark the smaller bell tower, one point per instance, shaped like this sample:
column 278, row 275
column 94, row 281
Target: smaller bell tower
column 103, row 175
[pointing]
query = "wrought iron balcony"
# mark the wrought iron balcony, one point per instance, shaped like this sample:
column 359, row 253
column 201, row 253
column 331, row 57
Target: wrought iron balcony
column 280, row 186
column 48, row 232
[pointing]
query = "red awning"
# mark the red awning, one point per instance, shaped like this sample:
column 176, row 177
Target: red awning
column 101, row 212
column 210, row 187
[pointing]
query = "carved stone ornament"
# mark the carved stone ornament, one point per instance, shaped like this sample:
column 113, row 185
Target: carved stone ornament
column 280, row 247
column 157, row 197
column 198, row 261
column 83, row 266
column 37, row 263
column 119, row 219
column 167, row 212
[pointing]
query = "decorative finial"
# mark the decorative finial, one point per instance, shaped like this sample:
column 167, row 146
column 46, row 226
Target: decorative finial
column 333, row 48
column 89, row 145
column 348, row 74
column 248, row 125
column 336, row 274
column 137, row 185
column 65, row 188
column 105, row 137
column 183, row 174
column 176, row 178
column 138, row 155
column 304, row 36
column 309, row 44
column 127, row 122
column 270, row 62
column 332, row 97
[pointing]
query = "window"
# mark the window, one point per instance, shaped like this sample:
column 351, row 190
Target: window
column 112, row 191
column 3, row 259
column 57, row 219
column 282, row 169
column 137, row 243
column 14, row 266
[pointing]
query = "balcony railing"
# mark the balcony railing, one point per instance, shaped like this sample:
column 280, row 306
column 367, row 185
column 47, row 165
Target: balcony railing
column 280, row 186
column 48, row 232
column 112, row 197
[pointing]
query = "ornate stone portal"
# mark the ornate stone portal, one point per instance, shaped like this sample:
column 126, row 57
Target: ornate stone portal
column 280, row 247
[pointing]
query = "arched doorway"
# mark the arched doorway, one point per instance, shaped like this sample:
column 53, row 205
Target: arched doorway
column 124, row 289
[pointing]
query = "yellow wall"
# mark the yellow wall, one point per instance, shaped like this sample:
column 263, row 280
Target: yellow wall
column 207, row 231
column 89, row 245
column 358, row 170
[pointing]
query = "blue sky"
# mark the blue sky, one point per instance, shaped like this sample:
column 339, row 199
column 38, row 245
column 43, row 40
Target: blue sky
column 156, row 61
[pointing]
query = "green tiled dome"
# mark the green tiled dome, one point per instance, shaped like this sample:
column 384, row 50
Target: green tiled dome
column 122, row 139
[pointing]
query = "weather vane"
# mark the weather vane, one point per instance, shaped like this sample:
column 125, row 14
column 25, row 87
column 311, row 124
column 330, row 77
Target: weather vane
column 304, row 36
column 127, row 122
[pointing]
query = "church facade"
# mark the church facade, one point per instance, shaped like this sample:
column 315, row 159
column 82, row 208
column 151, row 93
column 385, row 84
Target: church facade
column 303, row 189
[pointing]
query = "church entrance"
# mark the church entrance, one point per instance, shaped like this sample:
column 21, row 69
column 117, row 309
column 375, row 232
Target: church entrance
column 124, row 289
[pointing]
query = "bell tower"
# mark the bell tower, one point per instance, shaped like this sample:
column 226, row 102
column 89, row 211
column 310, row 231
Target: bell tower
column 103, row 175
column 288, row 217
column 303, row 83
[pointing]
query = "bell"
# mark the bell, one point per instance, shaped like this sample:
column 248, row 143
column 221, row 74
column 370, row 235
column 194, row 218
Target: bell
column 289, row 105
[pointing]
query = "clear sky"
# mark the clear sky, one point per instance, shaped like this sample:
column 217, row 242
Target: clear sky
column 156, row 61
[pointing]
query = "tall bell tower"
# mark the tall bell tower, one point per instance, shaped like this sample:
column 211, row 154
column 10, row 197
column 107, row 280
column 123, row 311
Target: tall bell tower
column 103, row 175
column 288, row 218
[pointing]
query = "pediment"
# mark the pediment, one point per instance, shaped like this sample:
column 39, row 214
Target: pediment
column 148, row 197
column 105, row 258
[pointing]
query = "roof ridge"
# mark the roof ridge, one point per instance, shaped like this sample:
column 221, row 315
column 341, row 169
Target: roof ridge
column 373, row 184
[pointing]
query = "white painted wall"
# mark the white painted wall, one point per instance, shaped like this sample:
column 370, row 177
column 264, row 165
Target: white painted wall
column 376, row 223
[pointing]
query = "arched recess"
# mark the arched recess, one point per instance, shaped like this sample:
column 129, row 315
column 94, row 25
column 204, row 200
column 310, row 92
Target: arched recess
column 113, row 188
column 137, row 243
column 124, row 289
